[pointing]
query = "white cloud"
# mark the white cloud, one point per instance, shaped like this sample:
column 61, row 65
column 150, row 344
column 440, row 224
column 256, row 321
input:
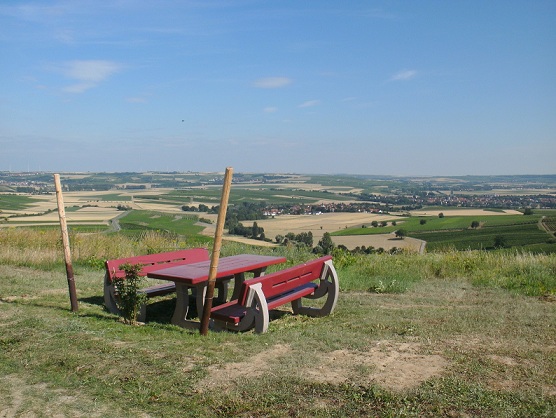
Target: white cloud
column 309, row 103
column 403, row 75
column 270, row 109
column 272, row 82
column 88, row 73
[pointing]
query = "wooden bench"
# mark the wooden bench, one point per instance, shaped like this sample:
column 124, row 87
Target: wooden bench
column 150, row 263
column 314, row 279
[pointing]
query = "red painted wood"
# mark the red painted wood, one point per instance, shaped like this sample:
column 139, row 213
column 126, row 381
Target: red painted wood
column 196, row 273
column 152, row 262
column 286, row 280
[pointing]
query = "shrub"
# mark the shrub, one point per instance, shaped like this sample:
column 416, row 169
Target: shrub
column 129, row 300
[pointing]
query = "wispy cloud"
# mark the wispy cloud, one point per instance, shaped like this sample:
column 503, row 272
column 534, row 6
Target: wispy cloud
column 88, row 73
column 309, row 103
column 270, row 109
column 272, row 82
column 403, row 75
column 136, row 100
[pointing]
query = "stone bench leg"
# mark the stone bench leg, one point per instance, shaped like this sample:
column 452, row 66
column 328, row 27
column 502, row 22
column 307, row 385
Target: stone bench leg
column 329, row 287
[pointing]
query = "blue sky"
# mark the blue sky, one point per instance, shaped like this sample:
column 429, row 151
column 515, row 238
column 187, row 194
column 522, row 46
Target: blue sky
column 359, row 87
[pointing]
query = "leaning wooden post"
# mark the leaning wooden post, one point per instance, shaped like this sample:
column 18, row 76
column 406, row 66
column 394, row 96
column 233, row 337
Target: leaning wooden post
column 65, row 242
column 216, row 251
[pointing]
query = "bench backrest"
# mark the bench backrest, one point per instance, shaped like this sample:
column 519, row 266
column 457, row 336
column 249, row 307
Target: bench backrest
column 157, row 261
column 283, row 281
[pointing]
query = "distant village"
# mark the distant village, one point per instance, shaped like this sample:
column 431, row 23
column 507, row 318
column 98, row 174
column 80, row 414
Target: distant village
column 392, row 203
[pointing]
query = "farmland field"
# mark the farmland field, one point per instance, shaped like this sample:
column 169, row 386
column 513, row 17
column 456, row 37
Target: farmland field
column 105, row 195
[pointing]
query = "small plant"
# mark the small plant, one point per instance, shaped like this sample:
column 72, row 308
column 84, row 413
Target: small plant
column 129, row 300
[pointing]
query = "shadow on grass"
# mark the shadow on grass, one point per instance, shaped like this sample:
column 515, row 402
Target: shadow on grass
column 93, row 300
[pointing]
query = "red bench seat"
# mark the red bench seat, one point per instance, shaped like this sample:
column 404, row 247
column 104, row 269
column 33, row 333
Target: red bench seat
column 313, row 279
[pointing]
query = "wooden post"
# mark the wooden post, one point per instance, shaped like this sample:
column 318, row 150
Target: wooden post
column 65, row 242
column 216, row 251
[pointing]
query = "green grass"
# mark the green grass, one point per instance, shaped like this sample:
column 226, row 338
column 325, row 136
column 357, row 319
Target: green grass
column 496, row 349
column 483, row 318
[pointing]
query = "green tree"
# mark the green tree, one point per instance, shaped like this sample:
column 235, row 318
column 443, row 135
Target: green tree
column 401, row 233
column 325, row 245
column 423, row 221
column 528, row 211
column 441, row 215
column 475, row 224
column 255, row 230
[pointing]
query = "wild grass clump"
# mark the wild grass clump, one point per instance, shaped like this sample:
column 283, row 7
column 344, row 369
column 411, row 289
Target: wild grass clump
column 521, row 272
column 30, row 247
column 42, row 248
column 529, row 274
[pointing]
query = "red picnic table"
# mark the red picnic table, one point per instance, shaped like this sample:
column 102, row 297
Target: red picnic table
column 194, row 276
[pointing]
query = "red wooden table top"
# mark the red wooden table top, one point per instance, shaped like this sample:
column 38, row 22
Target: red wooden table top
column 196, row 273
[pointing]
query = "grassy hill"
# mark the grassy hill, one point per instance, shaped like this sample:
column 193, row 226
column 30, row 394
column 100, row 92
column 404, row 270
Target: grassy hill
column 441, row 334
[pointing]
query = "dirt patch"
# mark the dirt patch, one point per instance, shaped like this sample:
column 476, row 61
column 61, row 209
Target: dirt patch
column 21, row 399
column 393, row 366
column 390, row 365
column 224, row 376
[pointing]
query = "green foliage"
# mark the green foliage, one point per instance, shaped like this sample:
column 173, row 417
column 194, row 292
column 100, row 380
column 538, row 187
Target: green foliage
column 325, row 245
column 129, row 299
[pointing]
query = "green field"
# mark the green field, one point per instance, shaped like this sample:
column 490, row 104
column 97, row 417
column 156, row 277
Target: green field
column 282, row 195
column 179, row 224
column 456, row 232
column 15, row 202
column 519, row 235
